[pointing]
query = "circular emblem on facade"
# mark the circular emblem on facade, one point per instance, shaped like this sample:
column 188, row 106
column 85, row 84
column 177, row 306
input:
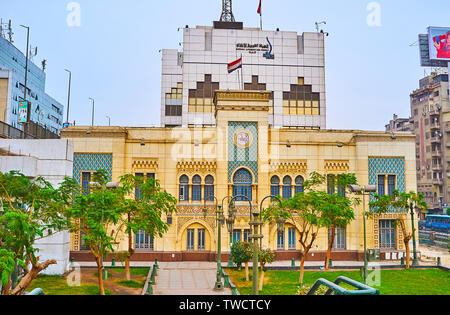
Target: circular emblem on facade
column 243, row 139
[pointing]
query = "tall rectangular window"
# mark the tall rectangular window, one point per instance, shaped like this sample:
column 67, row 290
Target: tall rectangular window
column 85, row 180
column 391, row 185
column 381, row 185
column 236, row 236
column 190, row 239
column 242, row 190
column 339, row 239
column 280, row 240
column 201, row 239
column 196, row 193
column 387, row 235
column 246, row 235
column 184, row 192
column 292, row 241
column 331, row 184
column 287, row 192
column 275, row 190
column 137, row 189
column 209, row 193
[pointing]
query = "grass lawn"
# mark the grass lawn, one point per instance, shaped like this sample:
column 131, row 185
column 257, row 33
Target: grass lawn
column 131, row 283
column 117, row 284
column 393, row 282
column 57, row 285
column 135, row 271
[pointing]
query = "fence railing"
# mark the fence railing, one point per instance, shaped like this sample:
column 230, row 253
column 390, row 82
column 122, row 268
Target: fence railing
column 34, row 131
column 439, row 239
column 361, row 289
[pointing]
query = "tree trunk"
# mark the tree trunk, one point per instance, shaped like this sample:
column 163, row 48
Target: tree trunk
column 8, row 284
column 261, row 279
column 330, row 247
column 30, row 276
column 247, row 276
column 100, row 279
column 100, row 271
column 130, row 253
column 408, row 256
column 302, row 265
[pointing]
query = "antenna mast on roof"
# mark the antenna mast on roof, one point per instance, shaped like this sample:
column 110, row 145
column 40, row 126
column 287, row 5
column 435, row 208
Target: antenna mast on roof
column 227, row 11
column 6, row 27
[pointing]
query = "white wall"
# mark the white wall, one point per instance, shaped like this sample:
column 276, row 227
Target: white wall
column 53, row 160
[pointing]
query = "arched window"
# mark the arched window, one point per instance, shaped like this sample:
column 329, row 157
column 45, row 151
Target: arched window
column 184, row 188
column 275, row 186
column 196, row 188
column 209, row 188
column 242, row 184
column 299, row 181
column 287, row 187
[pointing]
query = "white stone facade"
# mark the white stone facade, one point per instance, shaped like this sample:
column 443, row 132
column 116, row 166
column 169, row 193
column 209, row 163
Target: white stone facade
column 53, row 160
column 207, row 50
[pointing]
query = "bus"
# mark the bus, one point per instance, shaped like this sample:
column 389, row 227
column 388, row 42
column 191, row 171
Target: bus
column 438, row 223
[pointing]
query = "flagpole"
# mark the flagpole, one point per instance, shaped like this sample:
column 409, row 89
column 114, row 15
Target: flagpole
column 239, row 82
column 242, row 73
column 260, row 14
column 260, row 17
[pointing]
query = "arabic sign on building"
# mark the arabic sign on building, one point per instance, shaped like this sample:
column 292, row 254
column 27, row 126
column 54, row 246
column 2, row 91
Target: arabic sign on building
column 252, row 48
column 255, row 48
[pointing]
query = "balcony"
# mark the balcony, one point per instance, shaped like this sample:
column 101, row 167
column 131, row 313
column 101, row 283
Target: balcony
column 435, row 113
column 437, row 168
column 438, row 181
column 436, row 154
column 436, row 140
column 435, row 126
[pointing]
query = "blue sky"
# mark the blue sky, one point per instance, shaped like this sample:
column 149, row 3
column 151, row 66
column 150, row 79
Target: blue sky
column 114, row 54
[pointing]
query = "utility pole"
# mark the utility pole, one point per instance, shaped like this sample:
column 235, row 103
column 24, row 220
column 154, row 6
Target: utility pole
column 93, row 109
column 25, row 83
column 68, row 97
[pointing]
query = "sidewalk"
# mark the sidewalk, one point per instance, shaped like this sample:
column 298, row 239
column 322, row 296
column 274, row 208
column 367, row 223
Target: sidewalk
column 187, row 278
column 213, row 265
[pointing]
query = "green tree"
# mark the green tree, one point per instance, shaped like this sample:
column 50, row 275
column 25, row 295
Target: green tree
column 240, row 253
column 93, row 215
column 405, row 202
column 265, row 257
column 144, row 211
column 304, row 210
column 30, row 210
column 337, row 210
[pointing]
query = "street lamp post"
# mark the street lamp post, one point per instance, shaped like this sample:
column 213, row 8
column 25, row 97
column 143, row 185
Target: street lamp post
column 25, row 84
column 219, row 218
column 256, row 236
column 415, row 261
column 230, row 225
column 367, row 189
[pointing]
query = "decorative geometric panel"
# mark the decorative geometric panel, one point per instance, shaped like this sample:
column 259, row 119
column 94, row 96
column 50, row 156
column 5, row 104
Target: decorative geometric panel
column 388, row 166
column 91, row 163
column 242, row 147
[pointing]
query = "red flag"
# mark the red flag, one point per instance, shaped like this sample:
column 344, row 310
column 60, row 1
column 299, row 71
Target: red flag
column 235, row 65
column 259, row 8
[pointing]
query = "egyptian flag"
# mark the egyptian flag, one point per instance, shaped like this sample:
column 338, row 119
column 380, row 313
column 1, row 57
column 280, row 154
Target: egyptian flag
column 259, row 8
column 235, row 65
